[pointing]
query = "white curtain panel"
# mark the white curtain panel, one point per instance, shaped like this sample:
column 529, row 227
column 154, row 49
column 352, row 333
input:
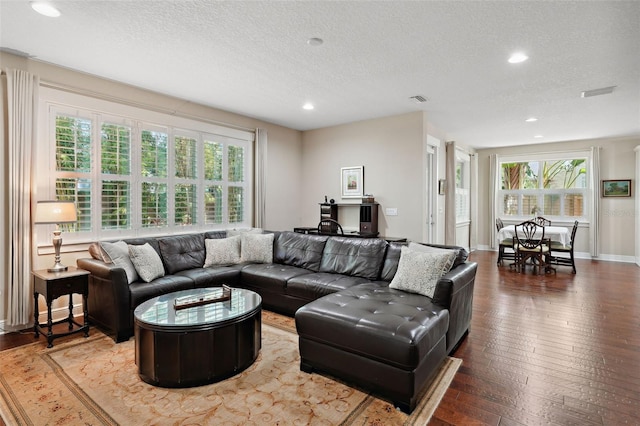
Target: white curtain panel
column 260, row 178
column 22, row 96
column 594, row 227
column 450, row 195
column 493, row 190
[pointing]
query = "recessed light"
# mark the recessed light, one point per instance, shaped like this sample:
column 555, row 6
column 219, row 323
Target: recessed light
column 531, row 119
column 518, row 57
column 45, row 8
column 315, row 41
column 308, row 106
column 538, row 136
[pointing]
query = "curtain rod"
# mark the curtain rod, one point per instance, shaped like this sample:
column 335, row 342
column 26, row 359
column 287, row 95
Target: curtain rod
column 155, row 108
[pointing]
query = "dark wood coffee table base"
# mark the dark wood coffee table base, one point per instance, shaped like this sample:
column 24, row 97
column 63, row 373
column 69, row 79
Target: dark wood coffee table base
column 188, row 356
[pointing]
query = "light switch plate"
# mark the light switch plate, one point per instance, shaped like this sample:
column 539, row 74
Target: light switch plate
column 391, row 211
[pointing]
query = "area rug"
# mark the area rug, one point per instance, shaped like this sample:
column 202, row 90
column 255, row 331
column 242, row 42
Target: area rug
column 93, row 381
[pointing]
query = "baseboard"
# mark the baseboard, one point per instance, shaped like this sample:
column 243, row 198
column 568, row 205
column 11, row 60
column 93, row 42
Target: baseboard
column 56, row 314
column 585, row 255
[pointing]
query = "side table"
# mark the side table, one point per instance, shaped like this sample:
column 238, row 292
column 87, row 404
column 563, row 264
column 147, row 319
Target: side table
column 53, row 285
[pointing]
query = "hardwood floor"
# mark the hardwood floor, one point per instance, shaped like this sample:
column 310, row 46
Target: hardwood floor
column 554, row 349
column 558, row 349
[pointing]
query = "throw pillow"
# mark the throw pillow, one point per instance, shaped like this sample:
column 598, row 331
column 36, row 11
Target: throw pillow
column 222, row 251
column 147, row 262
column 241, row 231
column 429, row 249
column 419, row 272
column 118, row 254
column 257, row 248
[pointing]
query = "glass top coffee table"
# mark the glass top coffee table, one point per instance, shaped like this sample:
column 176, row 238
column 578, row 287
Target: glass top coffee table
column 186, row 338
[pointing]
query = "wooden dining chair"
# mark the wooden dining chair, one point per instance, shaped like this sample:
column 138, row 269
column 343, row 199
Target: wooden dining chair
column 530, row 243
column 503, row 245
column 557, row 247
column 330, row 226
column 541, row 221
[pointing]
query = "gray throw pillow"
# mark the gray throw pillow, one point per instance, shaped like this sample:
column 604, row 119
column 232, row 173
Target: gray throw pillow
column 242, row 231
column 118, row 254
column 147, row 262
column 257, row 248
column 429, row 249
column 419, row 272
column 222, row 251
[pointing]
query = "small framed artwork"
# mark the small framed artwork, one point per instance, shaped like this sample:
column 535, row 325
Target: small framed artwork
column 352, row 180
column 616, row 188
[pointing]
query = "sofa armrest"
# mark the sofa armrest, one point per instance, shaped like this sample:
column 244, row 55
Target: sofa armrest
column 109, row 301
column 454, row 291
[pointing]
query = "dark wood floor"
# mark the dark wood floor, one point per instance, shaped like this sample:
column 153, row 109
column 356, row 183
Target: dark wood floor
column 555, row 349
column 558, row 349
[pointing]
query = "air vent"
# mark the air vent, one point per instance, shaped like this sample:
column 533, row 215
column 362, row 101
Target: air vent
column 419, row 99
column 597, row 92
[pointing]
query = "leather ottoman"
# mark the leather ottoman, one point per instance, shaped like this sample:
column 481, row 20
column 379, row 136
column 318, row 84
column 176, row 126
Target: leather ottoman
column 384, row 340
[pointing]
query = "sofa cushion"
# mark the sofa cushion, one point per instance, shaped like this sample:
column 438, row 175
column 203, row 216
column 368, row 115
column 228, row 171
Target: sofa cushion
column 376, row 322
column 213, row 276
column 391, row 259
column 360, row 257
column 141, row 291
column 147, row 262
column 270, row 276
column 118, row 254
column 180, row 252
column 256, row 248
column 419, row 272
column 318, row 284
column 222, row 251
column 301, row 250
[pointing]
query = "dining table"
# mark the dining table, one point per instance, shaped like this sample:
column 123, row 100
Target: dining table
column 560, row 234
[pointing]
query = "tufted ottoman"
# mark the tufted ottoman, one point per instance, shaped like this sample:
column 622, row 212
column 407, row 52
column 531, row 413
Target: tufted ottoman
column 387, row 341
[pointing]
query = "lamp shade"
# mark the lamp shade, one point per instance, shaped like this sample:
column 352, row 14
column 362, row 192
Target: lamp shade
column 54, row 212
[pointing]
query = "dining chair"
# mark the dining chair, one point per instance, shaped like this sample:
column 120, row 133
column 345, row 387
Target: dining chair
column 330, row 226
column 507, row 243
column 541, row 221
column 530, row 243
column 557, row 247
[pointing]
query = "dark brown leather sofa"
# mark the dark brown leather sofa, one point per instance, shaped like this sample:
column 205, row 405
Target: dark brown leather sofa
column 350, row 323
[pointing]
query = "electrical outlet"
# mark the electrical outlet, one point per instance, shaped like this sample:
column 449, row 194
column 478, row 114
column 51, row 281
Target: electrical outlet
column 391, row 212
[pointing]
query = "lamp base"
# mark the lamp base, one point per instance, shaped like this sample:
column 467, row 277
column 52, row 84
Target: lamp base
column 58, row 267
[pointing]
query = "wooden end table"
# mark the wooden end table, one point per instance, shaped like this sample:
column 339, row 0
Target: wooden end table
column 53, row 285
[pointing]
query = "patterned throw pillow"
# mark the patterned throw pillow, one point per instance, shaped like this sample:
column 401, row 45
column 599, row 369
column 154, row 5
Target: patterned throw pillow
column 222, row 251
column 257, row 248
column 429, row 249
column 419, row 272
column 241, row 231
column 147, row 262
column 118, row 254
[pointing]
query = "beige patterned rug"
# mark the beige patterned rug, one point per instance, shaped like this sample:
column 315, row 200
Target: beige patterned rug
column 94, row 381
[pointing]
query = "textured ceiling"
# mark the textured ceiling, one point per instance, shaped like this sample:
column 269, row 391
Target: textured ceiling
column 252, row 58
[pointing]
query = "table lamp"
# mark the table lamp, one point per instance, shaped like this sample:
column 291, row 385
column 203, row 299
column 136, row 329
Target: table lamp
column 56, row 212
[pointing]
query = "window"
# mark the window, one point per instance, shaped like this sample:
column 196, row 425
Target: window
column 549, row 187
column 463, row 183
column 129, row 175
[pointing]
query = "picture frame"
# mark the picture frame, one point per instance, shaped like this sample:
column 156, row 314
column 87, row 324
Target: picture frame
column 352, row 182
column 616, row 188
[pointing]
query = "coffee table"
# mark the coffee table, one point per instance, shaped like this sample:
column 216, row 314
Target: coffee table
column 197, row 345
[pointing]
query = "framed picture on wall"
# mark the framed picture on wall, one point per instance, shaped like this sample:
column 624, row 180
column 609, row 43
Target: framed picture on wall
column 616, row 188
column 352, row 181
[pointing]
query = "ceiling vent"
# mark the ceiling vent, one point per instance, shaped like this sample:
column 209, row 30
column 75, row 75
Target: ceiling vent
column 597, row 92
column 419, row 99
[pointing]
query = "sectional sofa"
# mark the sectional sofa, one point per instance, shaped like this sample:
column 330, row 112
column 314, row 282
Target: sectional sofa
column 352, row 322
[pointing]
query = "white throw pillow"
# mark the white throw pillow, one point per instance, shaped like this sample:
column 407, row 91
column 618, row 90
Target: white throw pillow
column 429, row 249
column 147, row 262
column 257, row 248
column 241, row 231
column 222, row 251
column 118, row 254
column 419, row 272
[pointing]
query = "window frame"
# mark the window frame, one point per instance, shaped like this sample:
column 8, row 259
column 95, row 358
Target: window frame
column 58, row 102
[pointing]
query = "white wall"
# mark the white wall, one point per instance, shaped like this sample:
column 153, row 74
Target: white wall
column 617, row 215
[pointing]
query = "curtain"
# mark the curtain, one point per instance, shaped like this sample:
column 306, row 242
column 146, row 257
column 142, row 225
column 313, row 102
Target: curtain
column 260, row 178
column 594, row 228
column 493, row 190
column 22, row 101
column 450, row 195
column 473, row 189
